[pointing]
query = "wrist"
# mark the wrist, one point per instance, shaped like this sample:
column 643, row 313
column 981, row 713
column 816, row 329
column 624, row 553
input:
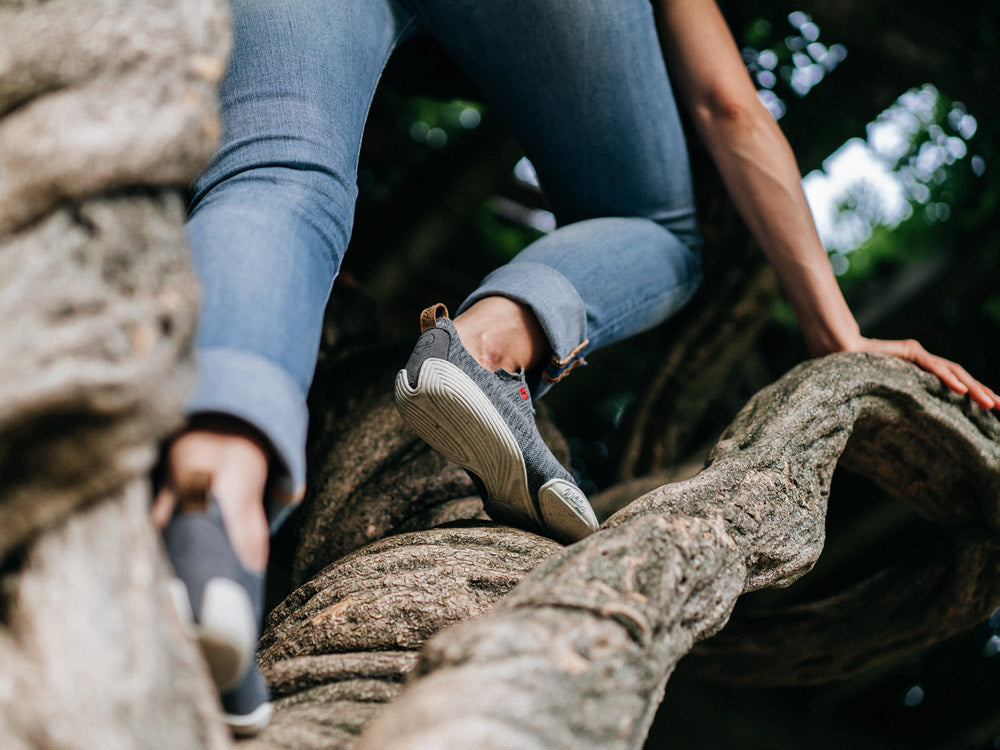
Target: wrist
column 826, row 322
column 828, row 336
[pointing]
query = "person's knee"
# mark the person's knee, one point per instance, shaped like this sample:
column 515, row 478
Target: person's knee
column 306, row 194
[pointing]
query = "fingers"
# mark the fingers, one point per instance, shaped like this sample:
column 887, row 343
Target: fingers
column 958, row 379
column 952, row 374
column 981, row 394
column 949, row 372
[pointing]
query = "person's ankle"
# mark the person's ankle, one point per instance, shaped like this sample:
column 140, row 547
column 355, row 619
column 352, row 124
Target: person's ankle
column 235, row 459
column 247, row 528
column 487, row 348
column 499, row 332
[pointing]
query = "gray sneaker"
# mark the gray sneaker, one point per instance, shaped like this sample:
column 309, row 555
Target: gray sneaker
column 484, row 422
column 223, row 601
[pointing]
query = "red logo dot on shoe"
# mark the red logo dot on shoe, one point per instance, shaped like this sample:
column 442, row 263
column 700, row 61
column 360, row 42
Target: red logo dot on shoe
column 524, row 393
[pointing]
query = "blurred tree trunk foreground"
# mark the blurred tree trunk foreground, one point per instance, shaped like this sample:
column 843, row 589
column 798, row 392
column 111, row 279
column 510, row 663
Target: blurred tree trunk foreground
column 96, row 145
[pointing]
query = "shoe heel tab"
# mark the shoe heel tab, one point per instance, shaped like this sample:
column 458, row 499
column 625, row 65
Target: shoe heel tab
column 194, row 492
column 430, row 315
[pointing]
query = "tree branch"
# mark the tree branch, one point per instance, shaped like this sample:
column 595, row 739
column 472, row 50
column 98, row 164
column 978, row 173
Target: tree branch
column 579, row 653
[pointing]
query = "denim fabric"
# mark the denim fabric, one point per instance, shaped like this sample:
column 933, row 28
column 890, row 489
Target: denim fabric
column 582, row 86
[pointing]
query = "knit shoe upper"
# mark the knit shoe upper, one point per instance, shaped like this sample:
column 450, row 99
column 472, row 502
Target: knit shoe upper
column 484, row 421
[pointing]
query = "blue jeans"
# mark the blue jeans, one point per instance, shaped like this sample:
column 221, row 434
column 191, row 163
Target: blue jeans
column 581, row 85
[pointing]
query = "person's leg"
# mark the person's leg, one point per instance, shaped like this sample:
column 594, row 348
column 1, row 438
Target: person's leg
column 271, row 217
column 269, row 222
column 235, row 456
column 585, row 91
column 483, row 420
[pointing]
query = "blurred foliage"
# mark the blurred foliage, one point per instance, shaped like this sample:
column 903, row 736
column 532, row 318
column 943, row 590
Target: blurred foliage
column 407, row 134
column 927, row 160
column 786, row 58
column 503, row 239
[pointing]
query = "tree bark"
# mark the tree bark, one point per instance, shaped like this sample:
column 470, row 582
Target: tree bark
column 94, row 654
column 579, row 653
column 107, row 111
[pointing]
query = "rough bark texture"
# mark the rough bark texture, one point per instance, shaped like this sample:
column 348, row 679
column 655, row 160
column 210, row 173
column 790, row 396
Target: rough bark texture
column 93, row 653
column 107, row 111
column 578, row 655
column 103, row 96
column 340, row 646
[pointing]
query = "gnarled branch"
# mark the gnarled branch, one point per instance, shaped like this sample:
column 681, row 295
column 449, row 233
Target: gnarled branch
column 579, row 653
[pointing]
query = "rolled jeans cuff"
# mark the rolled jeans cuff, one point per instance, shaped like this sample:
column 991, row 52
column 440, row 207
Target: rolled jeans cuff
column 557, row 306
column 257, row 391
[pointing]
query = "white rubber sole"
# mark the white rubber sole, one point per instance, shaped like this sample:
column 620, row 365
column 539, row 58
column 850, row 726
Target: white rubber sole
column 251, row 724
column 227, row 631
column 450, row 412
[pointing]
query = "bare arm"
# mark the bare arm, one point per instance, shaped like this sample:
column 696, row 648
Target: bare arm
column 763, row 180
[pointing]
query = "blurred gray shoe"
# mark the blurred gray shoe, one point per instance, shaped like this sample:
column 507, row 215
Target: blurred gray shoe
column 224, row 602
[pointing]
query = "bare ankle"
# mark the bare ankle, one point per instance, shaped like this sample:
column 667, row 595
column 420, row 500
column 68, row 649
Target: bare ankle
column 487, row 348
column 499, row 332
column 234, row 462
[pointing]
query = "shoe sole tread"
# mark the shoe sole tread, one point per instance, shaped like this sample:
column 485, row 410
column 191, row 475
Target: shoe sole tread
column 452, row 414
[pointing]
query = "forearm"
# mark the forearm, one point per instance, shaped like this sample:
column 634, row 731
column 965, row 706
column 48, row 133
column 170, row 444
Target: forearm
column 763, row 181
column 756, row 163
column 762, row 177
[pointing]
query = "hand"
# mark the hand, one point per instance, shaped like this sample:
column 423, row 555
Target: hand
column 952, row 374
